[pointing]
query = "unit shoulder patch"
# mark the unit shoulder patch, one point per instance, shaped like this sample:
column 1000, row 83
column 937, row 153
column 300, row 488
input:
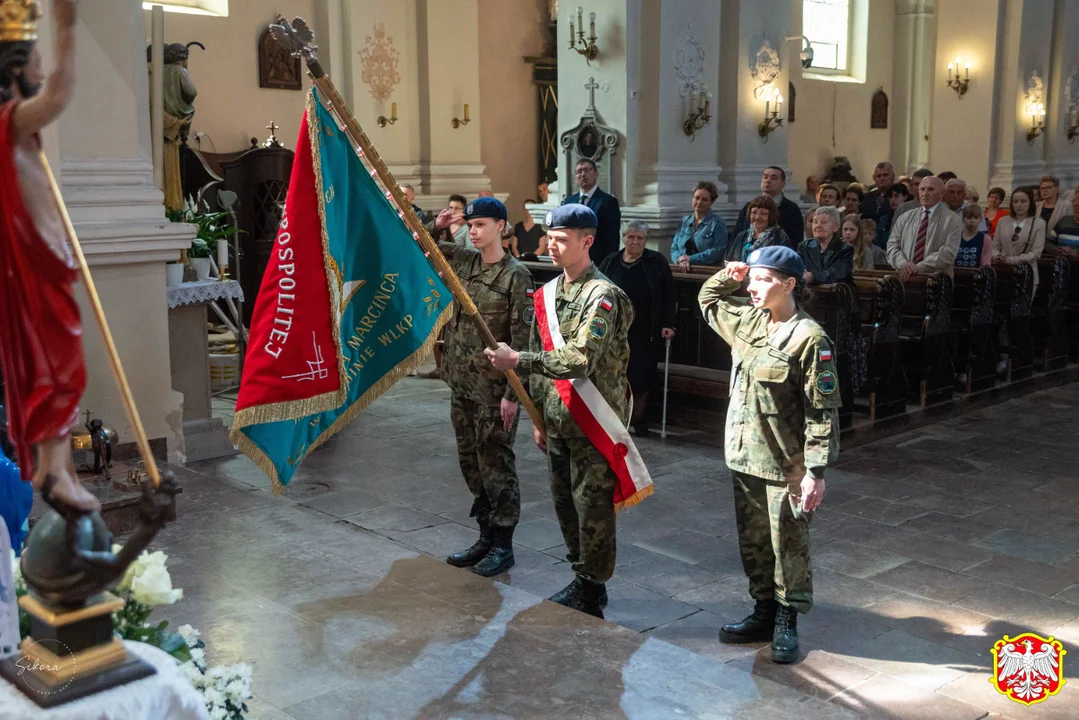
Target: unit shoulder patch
column 597, row 328
column 826, row 383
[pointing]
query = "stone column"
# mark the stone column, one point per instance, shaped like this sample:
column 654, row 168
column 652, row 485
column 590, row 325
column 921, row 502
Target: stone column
column 915, row 54
column 1062, row 155
column 103, row 146
column 747, row 28
column 1022, row 79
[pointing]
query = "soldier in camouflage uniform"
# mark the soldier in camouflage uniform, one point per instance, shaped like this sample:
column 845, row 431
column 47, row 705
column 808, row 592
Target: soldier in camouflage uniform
column 483, row 407
column 594, row 316
column 782, row 432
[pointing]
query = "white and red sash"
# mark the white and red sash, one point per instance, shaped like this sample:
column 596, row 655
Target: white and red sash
column 592, row 413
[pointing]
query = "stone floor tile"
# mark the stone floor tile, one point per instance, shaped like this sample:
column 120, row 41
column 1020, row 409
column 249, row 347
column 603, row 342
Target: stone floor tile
column 975, row 689
column 840, row 590
column 344, row 502
column 886, row 697
column 942, row 553
column 1030, row 547
column 839, row 631
column 937, row 622
column 1020, row 606
column 879, row 488
column 686, row 546
column 666, row 576
column 1069, row 594
column 922, row 663
column 947, row 526
column 439, row 540
column 1027, row 574
column 890, row 513
column 818, row 673
column 639, row 609
column 394, row 518
column 866, row 533
column 855, row 560
column 538, row 534
column 947, row 503
column 929, row 582
column 699, row 633
column 259, row 709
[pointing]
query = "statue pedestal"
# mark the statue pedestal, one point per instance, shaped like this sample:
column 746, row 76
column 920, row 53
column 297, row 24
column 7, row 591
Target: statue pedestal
column 71, row 653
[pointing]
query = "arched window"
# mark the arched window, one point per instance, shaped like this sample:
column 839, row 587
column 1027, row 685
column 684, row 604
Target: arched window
column 215, row 8
column 837, row 30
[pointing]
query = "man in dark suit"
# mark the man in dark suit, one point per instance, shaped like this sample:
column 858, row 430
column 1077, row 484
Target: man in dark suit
column 773, row 180
column 876, row 205
column 609, row 232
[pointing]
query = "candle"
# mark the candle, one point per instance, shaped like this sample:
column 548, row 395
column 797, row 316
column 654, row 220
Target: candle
column 393, row 111
column 580, row 17
column 767, row 107
column 967, row 70
column 571, row 34
column 949, row 72
column 466, row 112
column 707, row 102
column 779, row 104
column 592, row 24
column 222, row 255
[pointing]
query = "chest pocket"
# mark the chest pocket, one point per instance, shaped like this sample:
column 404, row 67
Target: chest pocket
column 770, row 372
column 497, row 315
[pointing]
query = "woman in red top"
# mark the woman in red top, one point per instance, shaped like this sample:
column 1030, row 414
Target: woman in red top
column 993, row 210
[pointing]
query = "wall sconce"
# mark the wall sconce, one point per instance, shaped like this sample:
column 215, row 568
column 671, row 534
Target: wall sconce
column 588, row 47
column 463, row 121
column 959, row 83
column 383, row 121
column 1037, row 122
column 698, row 113
column 1073, row 124
column 772, row 120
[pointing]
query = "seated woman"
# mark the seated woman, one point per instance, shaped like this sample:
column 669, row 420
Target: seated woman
column 860, row 235
column 975, row 248
column 828, row 195
column 993, row 210
column 763, row 230
column 702, row 237
column 1066, row 240
column 529, row 238
column 827, row 258
column 646, row 278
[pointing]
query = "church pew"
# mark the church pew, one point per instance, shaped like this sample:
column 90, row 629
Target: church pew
column 1015, row 284
column 1049, row 314
column 881, row 301
column 925, row 333
column 974, row 333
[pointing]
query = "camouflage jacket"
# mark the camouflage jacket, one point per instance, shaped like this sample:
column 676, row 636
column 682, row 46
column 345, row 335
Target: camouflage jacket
column 500, row 291
column 594, row 316
column 783, row 415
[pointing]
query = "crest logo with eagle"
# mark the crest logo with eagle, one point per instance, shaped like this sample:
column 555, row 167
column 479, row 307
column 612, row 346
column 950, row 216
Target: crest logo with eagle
column 1028, row 668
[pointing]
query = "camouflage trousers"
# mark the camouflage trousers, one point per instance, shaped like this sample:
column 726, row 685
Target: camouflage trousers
column 582, row 486
column 773, row 538
column 485, row 452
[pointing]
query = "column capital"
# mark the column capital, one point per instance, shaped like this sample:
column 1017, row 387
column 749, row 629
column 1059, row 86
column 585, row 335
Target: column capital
column 915, row 7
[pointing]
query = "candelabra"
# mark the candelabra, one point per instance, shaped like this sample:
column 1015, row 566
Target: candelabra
column 383, row 121
column 462, row 121
column 771, row 120
column 956, row 82
column 588, row 46
column 1037, row 122
column 698, row 113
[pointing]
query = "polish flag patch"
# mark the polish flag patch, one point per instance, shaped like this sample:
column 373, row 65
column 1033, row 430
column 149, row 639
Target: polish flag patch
column 826, row 356
column 606, row 305
column 530, row 293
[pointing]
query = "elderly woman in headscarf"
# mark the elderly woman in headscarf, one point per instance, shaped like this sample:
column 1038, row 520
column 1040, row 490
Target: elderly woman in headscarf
column 763, row 230
column 646, row 278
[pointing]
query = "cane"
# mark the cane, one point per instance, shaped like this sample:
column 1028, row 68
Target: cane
column 666, row 375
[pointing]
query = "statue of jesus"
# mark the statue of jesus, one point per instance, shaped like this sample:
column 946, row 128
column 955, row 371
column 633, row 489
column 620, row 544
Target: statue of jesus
column 40, row 329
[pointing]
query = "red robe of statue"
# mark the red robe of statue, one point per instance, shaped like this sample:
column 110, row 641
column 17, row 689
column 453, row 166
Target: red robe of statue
column 40, row 330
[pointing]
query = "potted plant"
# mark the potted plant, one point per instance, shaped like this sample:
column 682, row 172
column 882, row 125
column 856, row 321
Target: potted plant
column 212, row 228
column 174, row 273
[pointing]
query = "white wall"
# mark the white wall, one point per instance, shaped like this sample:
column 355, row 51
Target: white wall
column 231, row 108
column 841, row 110
column 508, row 31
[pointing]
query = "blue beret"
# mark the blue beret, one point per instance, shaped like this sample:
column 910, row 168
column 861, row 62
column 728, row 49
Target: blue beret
column 574, row 215
column 779, row 258
column 485, row 207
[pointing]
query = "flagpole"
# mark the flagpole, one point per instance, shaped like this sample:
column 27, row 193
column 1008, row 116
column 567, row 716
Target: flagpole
column 337, row 105
column 110, row 345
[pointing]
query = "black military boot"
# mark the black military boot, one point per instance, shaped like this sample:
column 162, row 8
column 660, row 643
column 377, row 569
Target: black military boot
column 588, row 597
column 756, row 627
column 500, row 557
column 785, row 637
column 478, row 551
column 566, row 595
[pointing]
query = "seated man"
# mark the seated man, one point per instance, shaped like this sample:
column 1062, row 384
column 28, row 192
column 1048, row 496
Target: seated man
column 926, row 241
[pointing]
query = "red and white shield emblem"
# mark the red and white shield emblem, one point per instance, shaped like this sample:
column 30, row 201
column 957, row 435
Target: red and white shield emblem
column 1028, row 668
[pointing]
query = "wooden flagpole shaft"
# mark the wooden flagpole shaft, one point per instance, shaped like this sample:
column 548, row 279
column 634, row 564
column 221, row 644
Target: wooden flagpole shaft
column 361, row 141
column 103, row 323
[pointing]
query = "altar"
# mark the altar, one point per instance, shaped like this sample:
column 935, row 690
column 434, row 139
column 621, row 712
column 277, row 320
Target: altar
column 205, row 437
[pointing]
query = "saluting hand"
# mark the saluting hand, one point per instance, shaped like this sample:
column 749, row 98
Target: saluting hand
column 737, row 271
column 812, row 493
column 448, row 217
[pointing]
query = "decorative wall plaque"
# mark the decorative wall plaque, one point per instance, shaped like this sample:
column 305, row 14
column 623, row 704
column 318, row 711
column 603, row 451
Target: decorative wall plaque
column 878, row 115
column 689, row 63
column 278, row 70
column 765, row 67
column 380, row 58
